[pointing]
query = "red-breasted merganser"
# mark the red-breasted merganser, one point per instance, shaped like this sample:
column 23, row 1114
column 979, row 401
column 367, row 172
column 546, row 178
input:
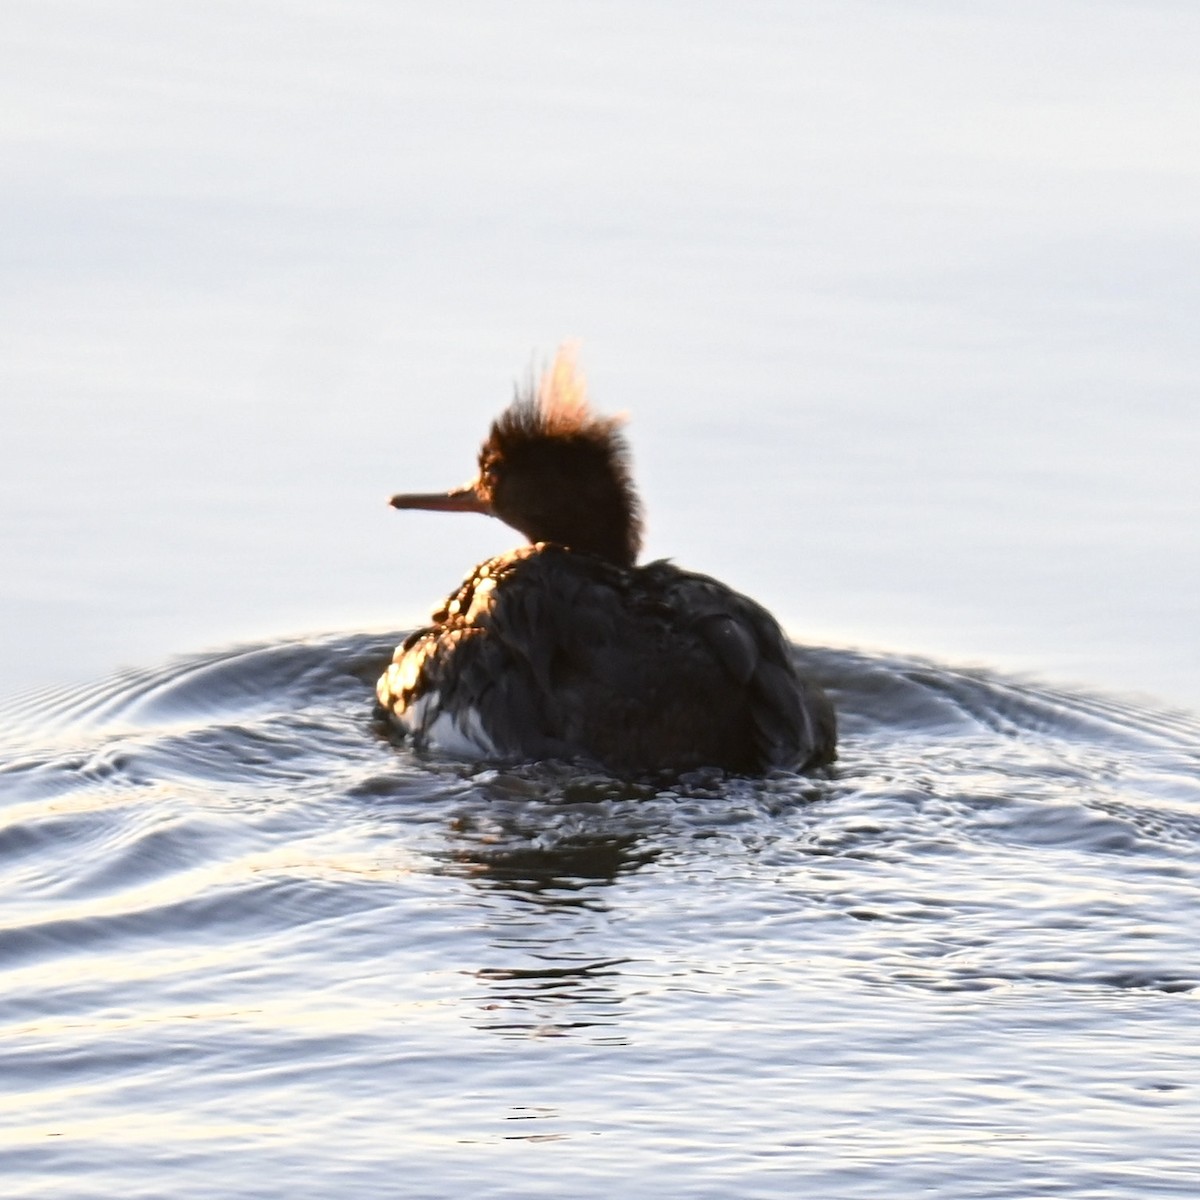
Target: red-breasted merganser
column 566, row 648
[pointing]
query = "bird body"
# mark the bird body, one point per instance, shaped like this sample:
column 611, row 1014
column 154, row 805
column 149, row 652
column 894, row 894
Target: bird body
column 565, row 648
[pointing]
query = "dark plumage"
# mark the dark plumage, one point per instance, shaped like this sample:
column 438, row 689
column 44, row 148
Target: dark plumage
column 566, row 648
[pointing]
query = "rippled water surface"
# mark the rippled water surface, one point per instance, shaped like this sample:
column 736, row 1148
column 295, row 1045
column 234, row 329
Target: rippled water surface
column 251, row 948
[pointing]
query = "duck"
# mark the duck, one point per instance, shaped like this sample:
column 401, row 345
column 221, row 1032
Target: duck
column 567, row 648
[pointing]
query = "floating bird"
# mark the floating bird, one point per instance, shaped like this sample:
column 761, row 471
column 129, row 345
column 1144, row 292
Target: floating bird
column 566, row 648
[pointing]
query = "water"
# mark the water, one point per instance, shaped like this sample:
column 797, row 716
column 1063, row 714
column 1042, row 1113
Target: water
column 900, row 299
column 246, row 939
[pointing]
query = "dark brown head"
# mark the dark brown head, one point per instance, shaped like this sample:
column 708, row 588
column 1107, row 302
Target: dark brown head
column 554, row 470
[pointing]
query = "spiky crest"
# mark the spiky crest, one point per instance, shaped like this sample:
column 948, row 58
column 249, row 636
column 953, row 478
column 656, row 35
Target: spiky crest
column 560, row 471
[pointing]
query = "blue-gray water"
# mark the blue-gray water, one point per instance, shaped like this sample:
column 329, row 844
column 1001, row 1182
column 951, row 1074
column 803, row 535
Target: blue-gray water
column 901, row 300
column 252, row 949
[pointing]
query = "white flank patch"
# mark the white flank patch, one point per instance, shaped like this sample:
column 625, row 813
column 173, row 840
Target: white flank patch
column 459, row 735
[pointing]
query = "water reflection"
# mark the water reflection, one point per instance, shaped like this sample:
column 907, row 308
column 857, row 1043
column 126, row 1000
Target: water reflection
column 563, row 873
column 549, row 833
column 525, row 1112
column 557, row 998
column 545, row 846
